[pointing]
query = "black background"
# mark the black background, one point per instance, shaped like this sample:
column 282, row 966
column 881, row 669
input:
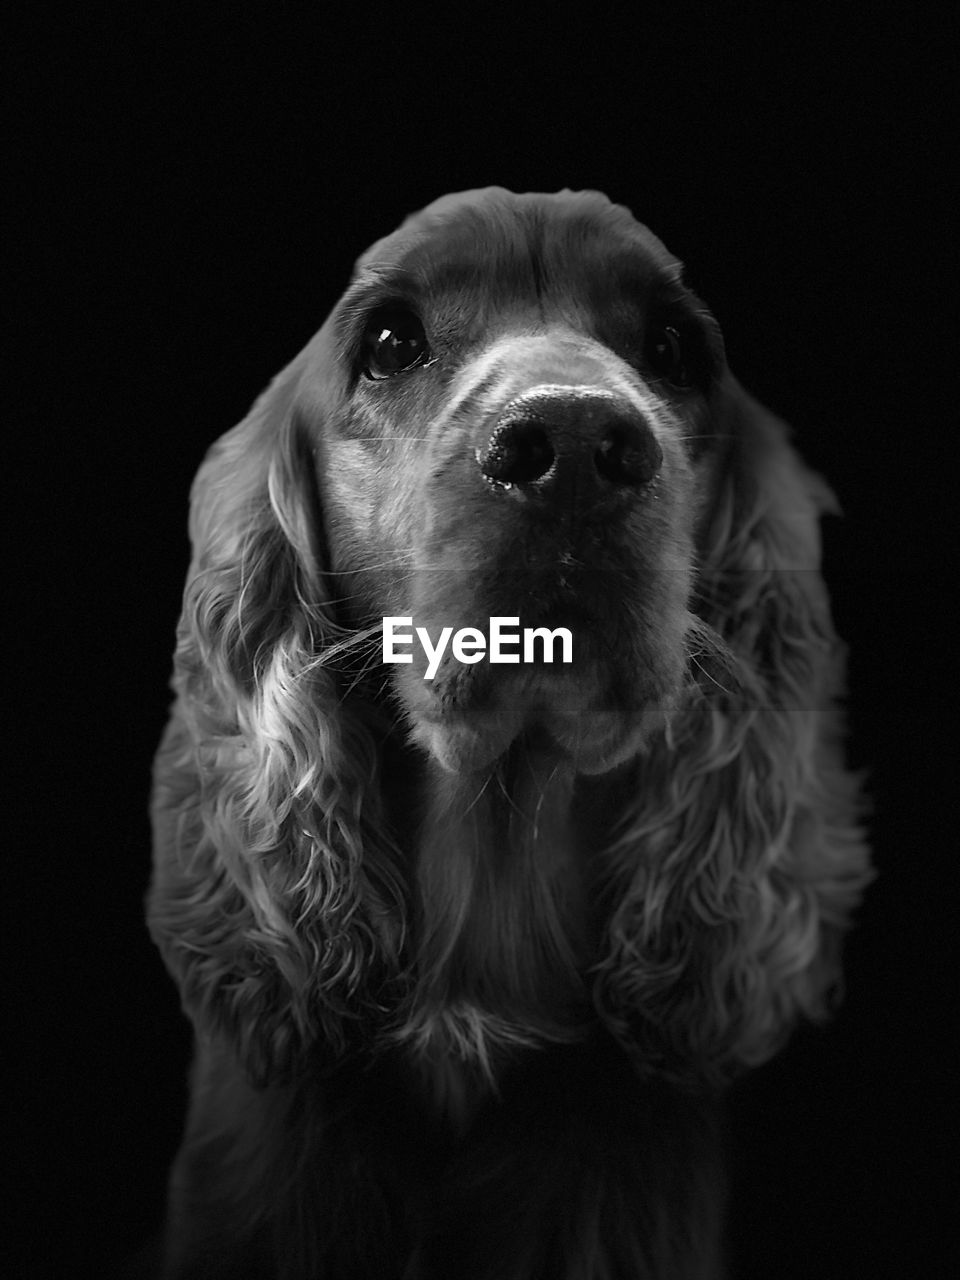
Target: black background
column 189, row 196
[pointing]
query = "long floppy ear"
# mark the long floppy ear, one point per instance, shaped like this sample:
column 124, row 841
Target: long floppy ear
column 275, row 900
column 736, row 870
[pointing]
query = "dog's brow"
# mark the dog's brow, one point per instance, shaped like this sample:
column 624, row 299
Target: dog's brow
column 378, row 284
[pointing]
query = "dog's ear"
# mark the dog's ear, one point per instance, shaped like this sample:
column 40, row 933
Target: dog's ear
column 766, row 503
column 736, row 872
column 253, row 513
column 275, row 899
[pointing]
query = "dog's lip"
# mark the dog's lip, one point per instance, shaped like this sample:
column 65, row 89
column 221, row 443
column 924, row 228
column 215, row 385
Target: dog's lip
column 596, row 748
column 571, row 715
column 603, row 740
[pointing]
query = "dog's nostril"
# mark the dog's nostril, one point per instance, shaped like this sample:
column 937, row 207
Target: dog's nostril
column 519, row 453
column 628, row 457
column 553, row 445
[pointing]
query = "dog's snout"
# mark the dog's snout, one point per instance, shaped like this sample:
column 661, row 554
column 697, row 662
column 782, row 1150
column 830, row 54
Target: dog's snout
column 584, row 442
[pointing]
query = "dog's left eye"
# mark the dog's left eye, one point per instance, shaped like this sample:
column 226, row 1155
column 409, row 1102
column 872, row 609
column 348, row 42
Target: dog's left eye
column 393, row 342
column 667, row 356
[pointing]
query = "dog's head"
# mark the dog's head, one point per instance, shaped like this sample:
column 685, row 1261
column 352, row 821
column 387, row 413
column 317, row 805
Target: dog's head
column 519, row 410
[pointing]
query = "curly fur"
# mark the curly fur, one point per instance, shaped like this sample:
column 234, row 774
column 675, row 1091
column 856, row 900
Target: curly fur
column 462, row 1019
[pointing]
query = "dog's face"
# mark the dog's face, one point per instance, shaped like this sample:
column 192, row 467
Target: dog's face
column 515, row 395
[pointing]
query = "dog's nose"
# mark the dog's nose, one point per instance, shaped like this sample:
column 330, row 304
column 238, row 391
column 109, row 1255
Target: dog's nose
column 581, row 445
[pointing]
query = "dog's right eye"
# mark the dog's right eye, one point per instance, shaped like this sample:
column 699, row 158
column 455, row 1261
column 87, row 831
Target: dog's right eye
column 393, row 342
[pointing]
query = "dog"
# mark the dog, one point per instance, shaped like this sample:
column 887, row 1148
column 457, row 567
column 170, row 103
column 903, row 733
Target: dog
column 472, row 939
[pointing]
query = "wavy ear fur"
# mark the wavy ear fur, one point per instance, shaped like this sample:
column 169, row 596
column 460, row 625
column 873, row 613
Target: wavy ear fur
column 265, row 793
column 742, row 856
